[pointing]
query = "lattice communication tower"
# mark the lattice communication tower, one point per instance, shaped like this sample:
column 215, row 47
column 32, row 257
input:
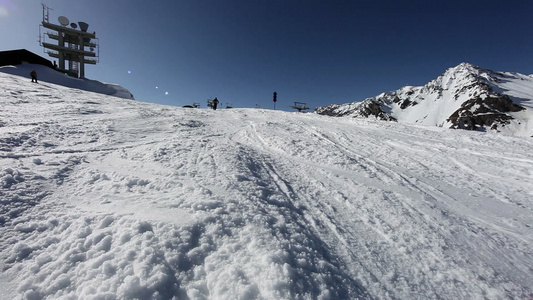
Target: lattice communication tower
column 74, row 47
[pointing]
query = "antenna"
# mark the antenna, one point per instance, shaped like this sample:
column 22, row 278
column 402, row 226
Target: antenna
column 46, row 12
column 83, row 26
column 63, row 20
column 74, row 25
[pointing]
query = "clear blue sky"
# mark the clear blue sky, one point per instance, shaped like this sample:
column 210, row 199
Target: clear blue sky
column 319, row 52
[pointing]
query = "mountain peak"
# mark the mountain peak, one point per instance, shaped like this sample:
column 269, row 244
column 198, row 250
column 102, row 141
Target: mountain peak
column 466, row 66
column 463, row 69
column 464, row 97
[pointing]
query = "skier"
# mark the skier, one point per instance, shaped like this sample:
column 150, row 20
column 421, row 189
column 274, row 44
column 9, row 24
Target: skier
column 215, row 103
column 33, row 75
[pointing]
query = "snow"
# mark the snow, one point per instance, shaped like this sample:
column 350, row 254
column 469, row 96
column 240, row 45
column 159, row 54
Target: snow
column 49, row 75
column 517, row 86
column 439, row 99
column 108, row 198
column 434, row 103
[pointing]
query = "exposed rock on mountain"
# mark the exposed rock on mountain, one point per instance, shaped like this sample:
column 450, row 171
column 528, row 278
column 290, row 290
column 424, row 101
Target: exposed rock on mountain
column 464, row 97
column 488, row 112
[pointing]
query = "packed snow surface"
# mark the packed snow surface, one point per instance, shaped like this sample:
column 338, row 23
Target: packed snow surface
column 49, row 75
column 107, row 198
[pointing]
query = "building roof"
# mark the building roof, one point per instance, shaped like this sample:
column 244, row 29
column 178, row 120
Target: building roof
column 22, row 56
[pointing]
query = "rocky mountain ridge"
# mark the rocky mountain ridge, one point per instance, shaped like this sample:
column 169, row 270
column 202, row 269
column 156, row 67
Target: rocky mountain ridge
column 464, row 97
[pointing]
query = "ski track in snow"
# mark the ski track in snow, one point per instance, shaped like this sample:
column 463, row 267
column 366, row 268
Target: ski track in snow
column 105, row 198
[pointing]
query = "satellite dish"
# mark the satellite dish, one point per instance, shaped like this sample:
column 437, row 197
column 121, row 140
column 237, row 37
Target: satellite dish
column 74, row 25
column 63, row 20
column 83, row 26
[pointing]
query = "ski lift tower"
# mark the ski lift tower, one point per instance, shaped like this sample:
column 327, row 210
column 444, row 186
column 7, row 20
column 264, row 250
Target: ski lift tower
column 70, row 49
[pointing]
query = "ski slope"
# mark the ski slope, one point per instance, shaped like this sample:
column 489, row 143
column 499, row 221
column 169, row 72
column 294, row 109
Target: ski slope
column 107, row 198
column 46, row 74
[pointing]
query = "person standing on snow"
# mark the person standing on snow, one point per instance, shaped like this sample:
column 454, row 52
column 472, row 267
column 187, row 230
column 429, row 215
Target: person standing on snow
column 33, row 75
column 215, row 103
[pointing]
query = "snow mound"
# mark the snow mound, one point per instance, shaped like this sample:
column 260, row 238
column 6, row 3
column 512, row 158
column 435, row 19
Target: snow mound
column 49, row 75
column 106, row 198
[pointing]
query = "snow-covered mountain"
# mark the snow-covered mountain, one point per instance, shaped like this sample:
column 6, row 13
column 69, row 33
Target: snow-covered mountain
column 465, row 97
column 107, row 198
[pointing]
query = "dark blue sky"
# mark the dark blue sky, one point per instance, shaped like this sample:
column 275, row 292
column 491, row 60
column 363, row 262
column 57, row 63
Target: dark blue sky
column 319, row 52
